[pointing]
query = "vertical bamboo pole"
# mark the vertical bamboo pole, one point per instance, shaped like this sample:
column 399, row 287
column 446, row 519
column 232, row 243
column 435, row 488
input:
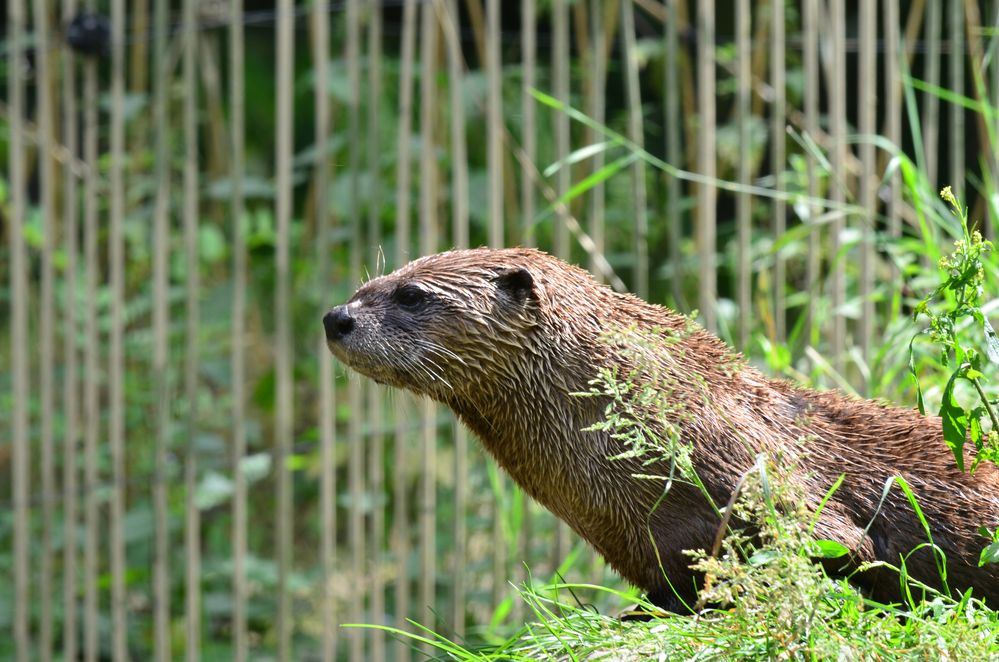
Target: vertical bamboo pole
column 459, row 149
column 192, row 523
column 376, row 487
column 403, row 165
column 359, row 565
column 117, row 358
column 603, row 16
column 893, row 35
column 778, row 155
column 428, row 244
column 71, row 399
column 990, row 227
column 560, row 73
column 461, row 467
column 581, row 29
column 955, row 136
column 706, row 193
column 812, row 83
column 529, row 59
column 761, row 38
column 138, row 72
column 161, row 321
column 240, row 590
column 837, row 122
column 494, row 123
column 400, row 515
column 91, row 354
column 374, row 94
column 285, row 80
column 893, row 107
column 981, row 90
column 743, row 17
column 686, row 72
column 215, row 160
column 139, row 56
column 673, row 95
column 459, row 201
column 636, row 133
column 376, row 408
column 990, row 224
column 597, row 111
column 46, row 341
column 327, row 403
column 931, row 102
column 868, row 194
column 529, row 142
column 478, row 21
column 21, row 451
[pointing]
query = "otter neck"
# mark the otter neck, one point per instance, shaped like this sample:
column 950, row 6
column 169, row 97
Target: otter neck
column 531, row 422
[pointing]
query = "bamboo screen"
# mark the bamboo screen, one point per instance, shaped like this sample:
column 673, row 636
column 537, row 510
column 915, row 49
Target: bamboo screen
column 185, row 470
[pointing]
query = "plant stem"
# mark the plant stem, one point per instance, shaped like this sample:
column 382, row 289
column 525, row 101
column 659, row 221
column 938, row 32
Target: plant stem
column 985, row 400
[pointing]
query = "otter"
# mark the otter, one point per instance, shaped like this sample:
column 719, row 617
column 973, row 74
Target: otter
column 508, row 338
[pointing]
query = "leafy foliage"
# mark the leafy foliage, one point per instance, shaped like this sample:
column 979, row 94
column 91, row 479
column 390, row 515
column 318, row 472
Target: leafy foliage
column 954, row 310
column 563, row 627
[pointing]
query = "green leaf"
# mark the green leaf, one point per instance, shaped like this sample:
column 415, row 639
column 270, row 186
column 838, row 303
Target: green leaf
column 952, row 97
column 588, row 183
column 991, row 340
column 213, row 490
column 825, row 499
column 989, row 555
column 955, row 422
column 502, row 610
column 33, row 230
column 828, row 549
column 597, row 177
column 976, row 434
column 212, row 244
column 915, row 379
column 296, row 462
column 255, row 467
column 763, row 557
column 580, row 154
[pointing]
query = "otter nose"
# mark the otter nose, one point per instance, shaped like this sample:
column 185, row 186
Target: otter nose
column 338, row 323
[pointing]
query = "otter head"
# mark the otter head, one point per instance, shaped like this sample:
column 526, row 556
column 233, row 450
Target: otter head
column 441, row 324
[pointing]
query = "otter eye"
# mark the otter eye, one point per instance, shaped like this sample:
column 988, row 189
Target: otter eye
column 409, row 296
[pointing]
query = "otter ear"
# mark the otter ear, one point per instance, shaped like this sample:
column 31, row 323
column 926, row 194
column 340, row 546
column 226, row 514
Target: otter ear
column 517, row 283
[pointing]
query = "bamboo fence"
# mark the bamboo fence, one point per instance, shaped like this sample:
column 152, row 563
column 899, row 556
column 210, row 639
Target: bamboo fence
column 397, row 128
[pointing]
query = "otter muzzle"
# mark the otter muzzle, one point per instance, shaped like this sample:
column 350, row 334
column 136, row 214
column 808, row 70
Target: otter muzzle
column 338, row 323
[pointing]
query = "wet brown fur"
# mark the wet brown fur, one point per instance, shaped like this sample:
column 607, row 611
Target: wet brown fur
column 506, row 352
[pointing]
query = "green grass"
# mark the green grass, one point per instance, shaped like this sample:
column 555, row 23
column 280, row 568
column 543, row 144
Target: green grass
column 779, row 605
column 771, row 601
